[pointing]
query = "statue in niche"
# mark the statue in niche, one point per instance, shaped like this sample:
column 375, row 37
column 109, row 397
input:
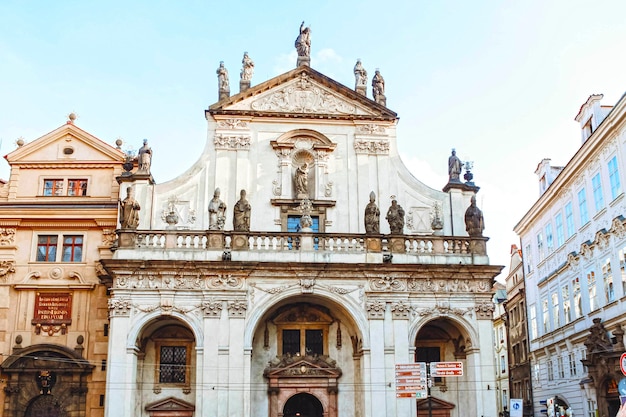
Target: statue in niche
column 301, row 179
column 303, row 41
column 248, row 68
column 217, row 210
column 372, row 216
column 474, row 222
column 129, row 211
column 144, row 157
column 395, row 217
column 455, row 166
column 241, row 214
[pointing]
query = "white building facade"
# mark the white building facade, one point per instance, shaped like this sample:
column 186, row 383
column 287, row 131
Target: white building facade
column 308, row 309
column 574, row 246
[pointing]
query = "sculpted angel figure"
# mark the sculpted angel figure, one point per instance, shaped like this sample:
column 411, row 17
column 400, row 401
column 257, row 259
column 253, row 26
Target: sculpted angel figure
column 303, row 41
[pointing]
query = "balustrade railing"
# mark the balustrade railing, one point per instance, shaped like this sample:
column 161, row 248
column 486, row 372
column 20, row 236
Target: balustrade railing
column 287, row 241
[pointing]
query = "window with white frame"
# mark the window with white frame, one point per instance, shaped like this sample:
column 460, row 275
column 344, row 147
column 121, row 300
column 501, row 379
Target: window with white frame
column 549, row 239
column 578, row 301
column 573, row 368
column 545, row 316
column 598, row 198
column 622, row 267
column 528, row 258
column 550, row 369
column 71, row 250
column 593, row 295
column 582, row 207
column 607, row 280
column 559, row 365
column 569, row 220
column 567, row 307
column 540, row 246
column 591, row 408
column 555, row 310
column 560, row 237
column 614, row 181
column 533, row 322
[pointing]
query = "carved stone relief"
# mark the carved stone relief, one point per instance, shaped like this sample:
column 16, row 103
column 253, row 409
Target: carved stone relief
column 387, row 283
column 445, row 309
column 484, row 310
column 400, row 310
column 303, row 96
column 223, row 141
column 179, row 281
column 375, row 309
column 7, row 236
column 237, row 308
column 418, row 220
column 232, row 124
column 371, row 147
column 119, row 307
column 370, row 129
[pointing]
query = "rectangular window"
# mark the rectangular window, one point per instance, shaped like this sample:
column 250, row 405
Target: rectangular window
column 567, row 308
column 560, row 237
column 569, row 220
column 76, row 187
column 502, row 364
column 616, row 187
column 622, row 267
column 607, row 280
column 47, row 248
column 591, row 408
column 559, row 364
column 533, row 321
column 598, row 198
column 545, row 316
column 173, row 365
column 291, row 342
column 549, row 239
column 540, row 246
column 573, row 371
column 591, row 285
column 555, row 311
column 550, row 370
column 72, row 249
column 582, row 207
column 53, row 187
column 578, row 302
column 528, row 259
column 314, row 342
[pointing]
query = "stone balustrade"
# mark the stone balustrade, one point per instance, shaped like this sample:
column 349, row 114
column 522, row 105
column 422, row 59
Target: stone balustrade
column 258, row 242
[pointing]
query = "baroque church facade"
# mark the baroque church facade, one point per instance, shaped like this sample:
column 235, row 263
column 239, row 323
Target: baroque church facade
column 291, row 268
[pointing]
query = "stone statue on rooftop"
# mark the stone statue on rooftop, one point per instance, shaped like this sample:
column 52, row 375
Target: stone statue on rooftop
column 303, row 45
column 217, row 210
column 144, row 157
column 455, row 166
column 360, row 75
column 129, row 211
column 222, row 81
column 378, row 88
column 372, row 216
column 241, row 214
column 474, row 222
column 395, row 217
column 247, row 69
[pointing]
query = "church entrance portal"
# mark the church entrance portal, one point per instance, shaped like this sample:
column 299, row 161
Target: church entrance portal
column 303, row 405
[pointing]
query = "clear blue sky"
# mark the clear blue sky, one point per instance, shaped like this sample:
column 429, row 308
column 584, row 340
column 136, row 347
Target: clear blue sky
column 500, row 81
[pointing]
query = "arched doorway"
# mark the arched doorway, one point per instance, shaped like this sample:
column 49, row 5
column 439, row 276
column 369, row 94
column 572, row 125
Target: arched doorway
column 303, row 405
column 443, row 340
column 45, row 406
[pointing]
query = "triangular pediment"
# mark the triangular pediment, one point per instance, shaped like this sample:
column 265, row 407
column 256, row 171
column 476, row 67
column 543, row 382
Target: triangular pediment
column 170, row 404
column 307, row 366
column 435, row 404
column 303, row 92
column 66, row 144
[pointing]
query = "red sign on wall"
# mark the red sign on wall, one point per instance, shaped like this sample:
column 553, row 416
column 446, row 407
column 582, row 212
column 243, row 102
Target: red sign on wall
column 53, row 308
